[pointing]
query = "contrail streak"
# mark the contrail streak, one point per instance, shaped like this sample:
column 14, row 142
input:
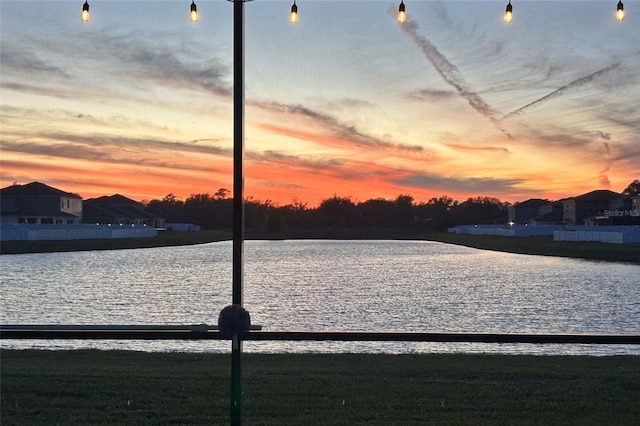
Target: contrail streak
column 558, row 92
column 451, row 75
column 603, row 179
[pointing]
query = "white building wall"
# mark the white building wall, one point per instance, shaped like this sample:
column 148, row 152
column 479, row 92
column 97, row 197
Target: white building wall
column 71, row 205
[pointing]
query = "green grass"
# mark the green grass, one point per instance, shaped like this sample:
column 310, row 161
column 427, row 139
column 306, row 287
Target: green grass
column 593, row 250
column 113, row 387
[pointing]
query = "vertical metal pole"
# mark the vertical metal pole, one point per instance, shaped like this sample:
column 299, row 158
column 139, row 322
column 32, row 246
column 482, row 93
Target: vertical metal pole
column 238, row 201
column 236, row 378
column 238, row 149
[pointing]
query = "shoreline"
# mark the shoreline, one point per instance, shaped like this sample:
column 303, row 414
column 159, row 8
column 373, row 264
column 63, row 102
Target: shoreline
column 545, row 246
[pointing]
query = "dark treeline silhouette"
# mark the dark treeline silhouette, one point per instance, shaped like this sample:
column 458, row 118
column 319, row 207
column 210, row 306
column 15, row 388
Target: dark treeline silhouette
column 437, row 214
column 215, row 212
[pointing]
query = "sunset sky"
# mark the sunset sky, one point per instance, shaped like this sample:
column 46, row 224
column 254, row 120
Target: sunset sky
column 347, row 102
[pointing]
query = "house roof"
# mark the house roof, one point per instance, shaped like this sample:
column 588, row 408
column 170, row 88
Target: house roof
column 113, row 208
column 35, row 189
column 532, row 203
column 598, row 195
column 14, row 200
column 112, row 200
column 112, row 212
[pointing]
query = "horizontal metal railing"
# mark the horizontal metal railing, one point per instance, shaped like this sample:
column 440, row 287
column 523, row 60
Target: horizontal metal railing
column 366, row 336
column 113, row 332
column 255, row 333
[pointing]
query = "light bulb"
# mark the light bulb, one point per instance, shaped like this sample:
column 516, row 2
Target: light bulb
column 193, row 15
column 508, row 13
column 293, row 16
column 620, row 12
column 84, row 16
column 402, row 14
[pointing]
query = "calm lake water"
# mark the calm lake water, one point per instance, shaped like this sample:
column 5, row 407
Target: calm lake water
column 326, row 285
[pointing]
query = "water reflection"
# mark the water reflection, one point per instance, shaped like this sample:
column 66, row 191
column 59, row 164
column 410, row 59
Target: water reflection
column 327, row 285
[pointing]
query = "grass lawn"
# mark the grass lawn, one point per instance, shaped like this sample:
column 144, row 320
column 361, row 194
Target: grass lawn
column 592, row 250
column 115, row 387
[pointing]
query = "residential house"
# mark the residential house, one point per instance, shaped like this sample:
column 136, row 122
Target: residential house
column 591, row 208
column 626, row 214
column 118, row 210
column 550, row 214
column 524, row 212
column 37, row 203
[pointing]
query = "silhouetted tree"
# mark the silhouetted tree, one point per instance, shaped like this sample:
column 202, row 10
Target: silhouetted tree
column 337, row 211
column 170, row 208
column 296, row 215
column 633, row 189
column 199, row 209
column 275, row 222
column 485, row 210
column 437, row 213
column 405, row 210
column 221, row 194
column 377, row 213
column 257, row 213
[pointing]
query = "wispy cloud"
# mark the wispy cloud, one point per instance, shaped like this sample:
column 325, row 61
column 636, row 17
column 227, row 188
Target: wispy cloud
column 290, row 162
column 25, row 62
column 110, row 149
column 456, row 184
column 163, row 63
column 334, row 133
column 430, row 95
column 575, row 83
column 474, row 148
column 451, row 75
column 603, row 179
column 146, row 59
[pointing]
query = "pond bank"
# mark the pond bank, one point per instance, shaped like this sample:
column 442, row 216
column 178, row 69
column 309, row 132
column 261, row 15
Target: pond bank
column 627, row 253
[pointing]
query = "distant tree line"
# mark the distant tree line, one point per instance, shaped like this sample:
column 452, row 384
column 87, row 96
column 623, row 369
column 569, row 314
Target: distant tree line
column 215, row 212
column 437, row 214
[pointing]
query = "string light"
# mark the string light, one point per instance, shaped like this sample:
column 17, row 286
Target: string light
column 193, row 15
column 508, row 13
column 620, row 12
column 293, row 16
column 84, row 16
column 402, row 14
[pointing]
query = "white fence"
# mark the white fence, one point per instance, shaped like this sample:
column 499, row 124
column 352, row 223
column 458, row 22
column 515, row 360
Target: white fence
column 606, row 234
column 10, row 232
column 506, row 230
column 183, row 227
